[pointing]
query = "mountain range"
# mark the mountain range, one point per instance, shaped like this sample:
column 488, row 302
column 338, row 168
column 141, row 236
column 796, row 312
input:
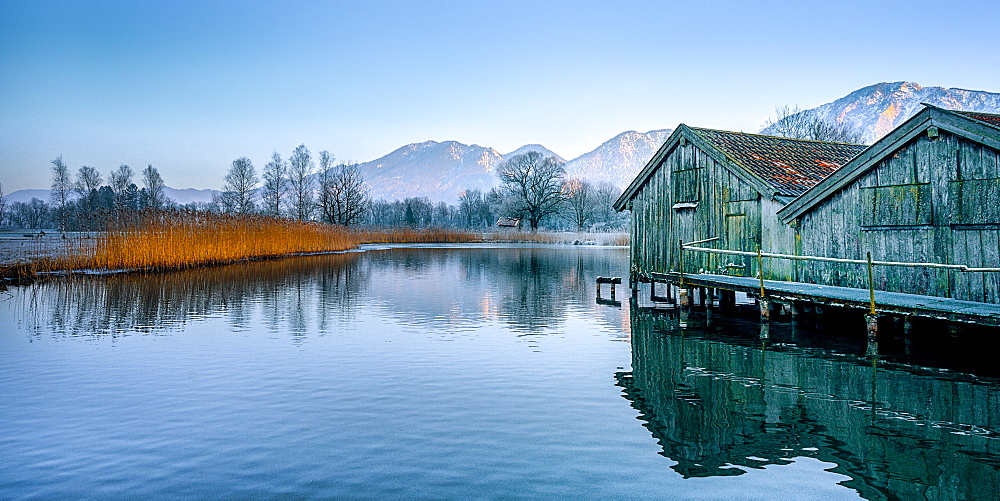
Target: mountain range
column 875, row 110
column 444, row 170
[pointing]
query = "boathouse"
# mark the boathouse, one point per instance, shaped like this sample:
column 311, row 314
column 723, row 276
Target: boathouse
column 705, row 183
column 928, row 192
column 907, row 226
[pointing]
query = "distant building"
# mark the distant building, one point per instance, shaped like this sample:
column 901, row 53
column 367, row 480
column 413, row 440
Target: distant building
column 509, row 222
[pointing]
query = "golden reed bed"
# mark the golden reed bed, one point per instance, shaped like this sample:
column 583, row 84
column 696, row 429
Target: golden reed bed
column 186, row 239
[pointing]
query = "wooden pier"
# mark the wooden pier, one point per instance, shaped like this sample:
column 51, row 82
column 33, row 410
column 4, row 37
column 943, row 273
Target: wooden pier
column 893, row 303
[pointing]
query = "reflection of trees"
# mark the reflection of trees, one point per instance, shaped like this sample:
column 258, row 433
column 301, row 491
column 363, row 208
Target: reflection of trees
column 299, row 287
column 713, row 403
column 529, row 288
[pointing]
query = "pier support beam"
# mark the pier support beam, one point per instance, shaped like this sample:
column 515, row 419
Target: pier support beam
column 683, row 298
column 727, row 301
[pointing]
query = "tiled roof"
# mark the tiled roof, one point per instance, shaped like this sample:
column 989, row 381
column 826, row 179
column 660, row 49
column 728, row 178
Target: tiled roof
column 989, row 118
column 791, row 166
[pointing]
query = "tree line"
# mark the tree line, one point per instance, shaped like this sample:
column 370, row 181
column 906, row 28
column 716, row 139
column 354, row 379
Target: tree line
column 533, row 189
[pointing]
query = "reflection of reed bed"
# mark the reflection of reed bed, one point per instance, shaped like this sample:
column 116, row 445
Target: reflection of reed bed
column 86, row 306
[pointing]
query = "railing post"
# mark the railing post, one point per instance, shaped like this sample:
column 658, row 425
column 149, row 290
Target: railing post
column 871, row 319
column 680, row 265
column 871, row 285
column 683, row 299
column 765, row 306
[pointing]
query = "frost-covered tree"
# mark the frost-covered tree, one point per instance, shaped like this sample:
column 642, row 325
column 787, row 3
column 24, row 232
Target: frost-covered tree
column 273, row 191
column 581, row 203
column 87, row 179
column 324, row 198
column 300, row 166
column 237, row 193
column 125, row 192
column 3, row 205
column 153, row 184
column 533, row 185
column 793, row 122
column 62, row 189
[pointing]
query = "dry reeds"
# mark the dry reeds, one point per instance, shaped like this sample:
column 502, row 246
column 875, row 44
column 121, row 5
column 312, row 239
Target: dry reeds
column 171, row 240
column 166, row 240
column 415, row 236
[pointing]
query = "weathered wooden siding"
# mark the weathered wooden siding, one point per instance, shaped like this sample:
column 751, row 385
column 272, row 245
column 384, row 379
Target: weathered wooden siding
column 727, row 207
column 933, row 200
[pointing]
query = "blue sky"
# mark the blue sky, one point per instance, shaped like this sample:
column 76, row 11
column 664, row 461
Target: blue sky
column 189, row 86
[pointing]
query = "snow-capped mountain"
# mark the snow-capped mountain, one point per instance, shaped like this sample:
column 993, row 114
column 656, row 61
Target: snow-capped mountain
column 181, row 196
column 619, row 159
column 437, row 170
column 875, row 110
column 533, row 147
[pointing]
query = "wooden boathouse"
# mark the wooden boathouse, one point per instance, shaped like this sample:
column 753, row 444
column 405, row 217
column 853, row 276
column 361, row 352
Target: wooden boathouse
column 916, row 212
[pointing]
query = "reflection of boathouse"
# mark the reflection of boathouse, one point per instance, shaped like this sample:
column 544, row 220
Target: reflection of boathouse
column 712, row 403
column 923, row 202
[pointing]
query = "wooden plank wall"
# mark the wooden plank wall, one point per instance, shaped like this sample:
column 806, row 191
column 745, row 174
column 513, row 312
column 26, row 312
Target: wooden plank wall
column 930, row 201
column 727, row 207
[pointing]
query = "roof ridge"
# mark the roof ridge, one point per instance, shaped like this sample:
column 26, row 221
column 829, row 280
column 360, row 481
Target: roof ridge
column 776, row 137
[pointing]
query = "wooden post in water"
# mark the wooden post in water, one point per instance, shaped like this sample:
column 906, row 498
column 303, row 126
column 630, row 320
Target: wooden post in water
column 872, row 322
column 871, row 319
column 765, row 305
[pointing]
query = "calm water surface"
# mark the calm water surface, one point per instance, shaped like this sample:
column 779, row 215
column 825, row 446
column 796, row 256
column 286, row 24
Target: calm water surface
column 458, row 372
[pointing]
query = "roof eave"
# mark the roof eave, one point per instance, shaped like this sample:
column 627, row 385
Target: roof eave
column 914, row 126
column 624, row 201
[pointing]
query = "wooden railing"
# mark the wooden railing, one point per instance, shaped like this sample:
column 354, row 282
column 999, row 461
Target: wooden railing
column 690, row 246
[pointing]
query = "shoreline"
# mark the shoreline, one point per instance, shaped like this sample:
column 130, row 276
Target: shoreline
column 36, row 264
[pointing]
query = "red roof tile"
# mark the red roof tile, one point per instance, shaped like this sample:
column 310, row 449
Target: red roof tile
column 791, row 166
column 989, row 118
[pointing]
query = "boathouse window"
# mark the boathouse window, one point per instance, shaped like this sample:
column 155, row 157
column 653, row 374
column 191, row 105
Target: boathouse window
column 973, row 202
column 897, row 205
column 686, row 185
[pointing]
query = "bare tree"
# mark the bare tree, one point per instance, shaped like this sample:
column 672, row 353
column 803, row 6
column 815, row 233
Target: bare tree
column 300, row 166
column 3, row 205
column 33, row 214
column 273, row 191
column 151, row 180
column 475, row 210
column 581, row 202
column 238, row 191
column 607, row 217
column 347, row 194
column 87, row 180
column 121, row 185
column 324, row 197
column 793, row 122
column 62, row 189
column 533, row 184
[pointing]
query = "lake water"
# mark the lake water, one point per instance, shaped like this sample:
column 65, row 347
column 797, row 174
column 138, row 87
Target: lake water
column 462, row 372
